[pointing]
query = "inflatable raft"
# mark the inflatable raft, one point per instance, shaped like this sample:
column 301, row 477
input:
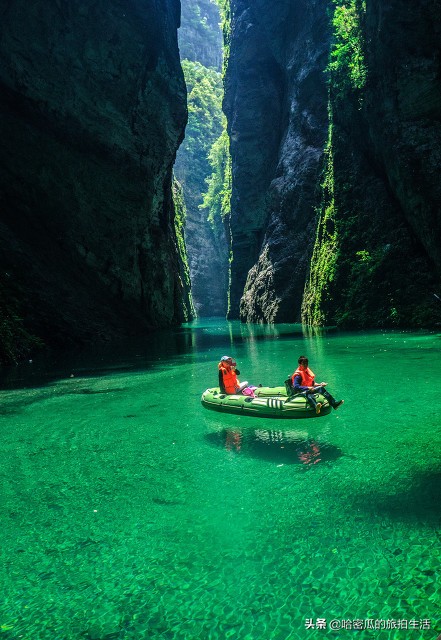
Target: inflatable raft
column 269, row 402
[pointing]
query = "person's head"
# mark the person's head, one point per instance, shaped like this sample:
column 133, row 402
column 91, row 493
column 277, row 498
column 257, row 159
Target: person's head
column 303, row 362
column 228, row 361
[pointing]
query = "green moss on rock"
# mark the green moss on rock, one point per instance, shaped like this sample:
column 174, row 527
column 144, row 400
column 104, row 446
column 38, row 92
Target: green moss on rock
column 372, row 264
column 325, row 254
column 180, row 215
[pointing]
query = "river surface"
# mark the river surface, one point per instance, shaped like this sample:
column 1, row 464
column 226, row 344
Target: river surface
column 129, row 511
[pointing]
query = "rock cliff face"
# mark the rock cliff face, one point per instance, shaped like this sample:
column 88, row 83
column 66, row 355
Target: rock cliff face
column 207, row 257
column 370, row 167
column 276, row 103
column 93, row 107
column 377, row 260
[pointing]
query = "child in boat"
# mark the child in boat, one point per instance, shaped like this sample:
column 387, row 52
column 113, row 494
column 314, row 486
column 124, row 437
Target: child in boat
column 303, row 381
column 228, row 381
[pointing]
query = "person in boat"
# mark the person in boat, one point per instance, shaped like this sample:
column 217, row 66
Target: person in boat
column 303, row 381
column 228, row 381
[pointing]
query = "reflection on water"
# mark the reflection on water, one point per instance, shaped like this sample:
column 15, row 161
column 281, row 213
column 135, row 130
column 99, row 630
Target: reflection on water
column 281, row 447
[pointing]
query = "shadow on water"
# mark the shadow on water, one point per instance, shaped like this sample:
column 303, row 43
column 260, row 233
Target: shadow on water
column 420, row 501
column 200, row 340
column 12, row 407
column 155, row 350
column 96, row 391
column 288, row 447
column 152, row 351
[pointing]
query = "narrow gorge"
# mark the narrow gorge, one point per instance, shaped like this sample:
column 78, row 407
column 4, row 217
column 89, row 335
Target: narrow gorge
column 309, row 187
column 201, row 156
column 193, row 194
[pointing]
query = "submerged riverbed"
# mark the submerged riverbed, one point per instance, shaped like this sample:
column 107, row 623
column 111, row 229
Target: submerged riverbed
column 129, row 511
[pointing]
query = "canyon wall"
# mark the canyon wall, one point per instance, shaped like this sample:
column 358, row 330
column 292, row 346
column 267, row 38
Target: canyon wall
column 275, row 102
column 334, row 114
column 377, row 259
column 93, row 108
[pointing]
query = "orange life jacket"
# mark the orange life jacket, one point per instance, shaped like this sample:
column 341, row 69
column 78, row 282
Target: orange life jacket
column 307, row 377
column 229, row 377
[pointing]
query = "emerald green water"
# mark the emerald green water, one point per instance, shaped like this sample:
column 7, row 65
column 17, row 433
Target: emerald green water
column 129, row 511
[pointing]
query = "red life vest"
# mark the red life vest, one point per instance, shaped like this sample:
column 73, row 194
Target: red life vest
column 229, row 377
column 306, row 376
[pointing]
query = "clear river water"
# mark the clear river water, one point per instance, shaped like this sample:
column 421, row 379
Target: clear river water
column 128, row 511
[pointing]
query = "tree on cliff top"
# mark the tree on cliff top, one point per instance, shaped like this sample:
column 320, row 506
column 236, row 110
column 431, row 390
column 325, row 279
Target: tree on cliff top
column 200, row 37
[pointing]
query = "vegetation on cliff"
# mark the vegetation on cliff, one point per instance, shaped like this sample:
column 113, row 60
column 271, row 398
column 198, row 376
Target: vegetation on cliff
column 324, row 257
column 217, row 198
column 180, row 215
column 200, row 37
column 367, row 267
column 200, row 160
column 225, row 12
column 347, row 76
column 205, row 122
column 347, row 64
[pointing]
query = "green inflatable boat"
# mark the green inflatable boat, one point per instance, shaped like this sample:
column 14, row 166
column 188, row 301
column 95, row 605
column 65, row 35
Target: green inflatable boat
column 269, row 402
